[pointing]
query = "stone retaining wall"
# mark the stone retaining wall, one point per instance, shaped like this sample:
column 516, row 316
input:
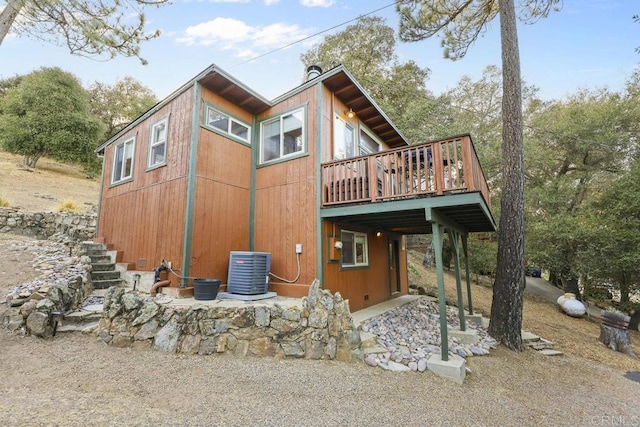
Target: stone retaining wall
column 321, row 328
column 43, row 225
column 33, row 314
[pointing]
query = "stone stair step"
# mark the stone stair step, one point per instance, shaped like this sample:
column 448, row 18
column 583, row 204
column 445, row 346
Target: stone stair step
column 100, row 259
column 92, row 246
column 105, row 275
column 85, row 328
column 375, row 349
column 105, row 284
column 540, row 345
column 98, row 293
column 82, row 316
column 528, row 337
column 103, row 266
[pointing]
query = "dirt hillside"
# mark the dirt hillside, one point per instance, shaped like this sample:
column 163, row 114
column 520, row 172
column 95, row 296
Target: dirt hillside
column 578, row 337
column 47, row 186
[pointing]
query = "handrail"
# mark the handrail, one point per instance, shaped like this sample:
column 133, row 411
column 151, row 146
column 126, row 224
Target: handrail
column 421, row 170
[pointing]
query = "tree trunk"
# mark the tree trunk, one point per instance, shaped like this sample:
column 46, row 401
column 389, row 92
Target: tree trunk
column 8, row 15
column 616, row 339
column 506, row 308
column 570, row 284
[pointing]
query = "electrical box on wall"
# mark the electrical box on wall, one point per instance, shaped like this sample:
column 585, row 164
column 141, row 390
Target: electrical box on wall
column 298, row 248
column 334, row 251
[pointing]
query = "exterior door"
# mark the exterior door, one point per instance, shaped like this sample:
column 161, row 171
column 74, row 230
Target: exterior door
column 394, row 266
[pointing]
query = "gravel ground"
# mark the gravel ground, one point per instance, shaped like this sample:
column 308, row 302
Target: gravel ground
column 72, row 380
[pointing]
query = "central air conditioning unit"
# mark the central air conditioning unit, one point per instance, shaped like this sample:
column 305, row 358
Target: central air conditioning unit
column 249, row 273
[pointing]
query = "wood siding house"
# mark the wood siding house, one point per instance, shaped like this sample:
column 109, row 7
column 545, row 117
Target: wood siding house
column 215, row 168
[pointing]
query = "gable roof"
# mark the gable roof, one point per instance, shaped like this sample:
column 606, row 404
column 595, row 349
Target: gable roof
column 338, row 80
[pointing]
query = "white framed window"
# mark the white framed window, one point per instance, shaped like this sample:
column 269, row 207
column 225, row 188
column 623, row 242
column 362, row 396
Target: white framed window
column 368, row 144
column 220, row 121
column 282, row 136
column 355, row 250
column 123, row 160
column 343, row 139
column 158, row 143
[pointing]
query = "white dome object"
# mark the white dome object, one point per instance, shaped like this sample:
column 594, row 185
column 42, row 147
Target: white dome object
column 561, row 300
column 574, row 308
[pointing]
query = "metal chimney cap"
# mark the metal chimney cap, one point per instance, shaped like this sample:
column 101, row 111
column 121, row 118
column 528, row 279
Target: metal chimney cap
column 313, row 71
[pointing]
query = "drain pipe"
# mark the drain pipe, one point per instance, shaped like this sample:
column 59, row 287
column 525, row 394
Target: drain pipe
column 157, row 283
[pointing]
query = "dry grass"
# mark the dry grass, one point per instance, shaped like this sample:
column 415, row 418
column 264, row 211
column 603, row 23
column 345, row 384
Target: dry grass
column 578, row 337
column 45, row 187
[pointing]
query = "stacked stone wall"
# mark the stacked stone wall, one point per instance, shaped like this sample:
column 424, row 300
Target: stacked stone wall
column 320, row 328
column 43, row 225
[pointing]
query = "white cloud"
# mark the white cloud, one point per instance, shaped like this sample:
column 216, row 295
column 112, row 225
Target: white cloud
column 229, row 33
column 225, row 31
column 270, row 2
column 317, row 3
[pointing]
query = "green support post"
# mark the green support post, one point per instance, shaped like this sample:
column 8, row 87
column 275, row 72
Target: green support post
column 465, row 249
column 455, row 244
column 444, row 336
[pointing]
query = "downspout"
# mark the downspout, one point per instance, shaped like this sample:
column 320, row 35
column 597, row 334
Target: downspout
column 191, row 186
column 255, row 149
column 319, row 238
column 104, row 159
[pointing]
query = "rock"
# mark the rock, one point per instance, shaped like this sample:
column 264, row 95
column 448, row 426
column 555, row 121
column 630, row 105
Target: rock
column 262, row 316
column 574, row 308
column 413, row 366
column 148, row 311
column 371, row 360
column 394, row 366
column 477, row 351
column 148, row 330
column 292, row 349
column 190, row 344
column 314, row 294
column 38, row 324
column 130, row 301
column 422, row 365
column 167, row 338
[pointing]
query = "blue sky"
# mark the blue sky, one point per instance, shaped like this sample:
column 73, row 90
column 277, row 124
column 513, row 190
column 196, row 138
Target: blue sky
column 588, row 44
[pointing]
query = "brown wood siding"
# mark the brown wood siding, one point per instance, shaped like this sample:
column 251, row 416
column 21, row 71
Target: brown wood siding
column 357, row 283
column 223, row 182
column 144, row 218
column 286, row 204
column 221, row 225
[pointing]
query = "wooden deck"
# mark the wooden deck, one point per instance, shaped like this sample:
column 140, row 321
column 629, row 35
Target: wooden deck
column 434, row 168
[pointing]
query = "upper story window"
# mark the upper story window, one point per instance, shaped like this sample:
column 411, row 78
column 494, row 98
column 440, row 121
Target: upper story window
column 343, row 139
column 223, row 122
column 158, row 143
column 368, row 144
column 282, row 136
column 355, row 251
column 123, row 160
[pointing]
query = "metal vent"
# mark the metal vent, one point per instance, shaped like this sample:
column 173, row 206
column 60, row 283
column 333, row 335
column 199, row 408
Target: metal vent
column 249, row 273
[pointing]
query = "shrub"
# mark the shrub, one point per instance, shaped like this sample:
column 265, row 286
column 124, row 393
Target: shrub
column 68, row 205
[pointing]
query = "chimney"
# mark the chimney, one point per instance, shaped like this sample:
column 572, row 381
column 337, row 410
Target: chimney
column 313, row 71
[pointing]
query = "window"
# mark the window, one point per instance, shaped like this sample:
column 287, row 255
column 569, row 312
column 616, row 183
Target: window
column 123, row 160
column 158, row 143
column 355, row 252
column 368, row 145
column 224, row 123
column 282, row 136
column 343, row 139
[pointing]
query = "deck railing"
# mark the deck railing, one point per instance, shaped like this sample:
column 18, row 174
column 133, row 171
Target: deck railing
column 428, row 169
